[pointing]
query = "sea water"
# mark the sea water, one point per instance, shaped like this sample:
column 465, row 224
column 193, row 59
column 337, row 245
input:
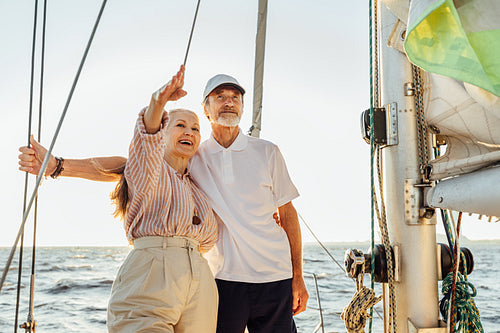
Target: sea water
column 72, row 286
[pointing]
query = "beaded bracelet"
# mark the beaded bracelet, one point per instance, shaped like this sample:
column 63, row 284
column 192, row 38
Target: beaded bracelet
column 59, row 168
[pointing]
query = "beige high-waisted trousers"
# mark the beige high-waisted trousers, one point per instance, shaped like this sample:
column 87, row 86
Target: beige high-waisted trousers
column 164, row 285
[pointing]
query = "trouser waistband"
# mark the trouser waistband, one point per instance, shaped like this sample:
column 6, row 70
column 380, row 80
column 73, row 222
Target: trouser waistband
column 164, row 242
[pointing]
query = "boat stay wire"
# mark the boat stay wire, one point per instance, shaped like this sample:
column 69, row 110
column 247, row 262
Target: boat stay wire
column 328, row 252
column 321, row 244
column 30, row 324
column 30, row 118
column 30, row 112
column 191, row 34
column 49, row 150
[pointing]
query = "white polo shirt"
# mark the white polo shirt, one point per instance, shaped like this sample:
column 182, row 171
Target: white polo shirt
column 245, row 184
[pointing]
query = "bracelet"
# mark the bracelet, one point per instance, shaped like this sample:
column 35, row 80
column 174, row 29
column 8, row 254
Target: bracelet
column 59, row 168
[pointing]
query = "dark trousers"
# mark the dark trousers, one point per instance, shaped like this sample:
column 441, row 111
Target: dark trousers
column 261, row 307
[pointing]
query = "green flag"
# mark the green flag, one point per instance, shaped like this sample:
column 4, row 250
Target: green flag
column 458, row 39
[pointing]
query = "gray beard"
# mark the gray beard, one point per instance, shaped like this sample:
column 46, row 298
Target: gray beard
column 228, row 120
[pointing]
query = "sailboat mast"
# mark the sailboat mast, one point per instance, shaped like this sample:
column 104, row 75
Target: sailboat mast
column 413, row 238
column 260, row 47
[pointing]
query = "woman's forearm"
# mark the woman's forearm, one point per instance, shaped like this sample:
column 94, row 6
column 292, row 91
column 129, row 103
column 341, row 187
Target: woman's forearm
column 104, row 169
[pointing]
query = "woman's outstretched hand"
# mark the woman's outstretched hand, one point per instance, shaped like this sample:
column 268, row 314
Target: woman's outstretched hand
column 172, row 91
column 31, row 158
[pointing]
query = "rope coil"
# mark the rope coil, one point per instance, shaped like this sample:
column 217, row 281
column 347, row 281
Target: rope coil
column 355, row 314
column 465, row 312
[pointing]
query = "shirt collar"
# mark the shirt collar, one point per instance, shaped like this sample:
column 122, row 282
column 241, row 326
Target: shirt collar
column 186, row 174
column 239, row 143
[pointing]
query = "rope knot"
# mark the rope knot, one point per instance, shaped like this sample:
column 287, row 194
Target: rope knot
column 354, row 315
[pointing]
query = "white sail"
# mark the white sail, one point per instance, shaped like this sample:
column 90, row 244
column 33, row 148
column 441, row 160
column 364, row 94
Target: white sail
column 469, row 118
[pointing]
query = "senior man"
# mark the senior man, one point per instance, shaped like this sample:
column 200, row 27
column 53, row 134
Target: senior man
column 257, row 263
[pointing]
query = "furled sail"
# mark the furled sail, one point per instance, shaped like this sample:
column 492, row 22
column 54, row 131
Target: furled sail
column 457, row 44
column 469, row 118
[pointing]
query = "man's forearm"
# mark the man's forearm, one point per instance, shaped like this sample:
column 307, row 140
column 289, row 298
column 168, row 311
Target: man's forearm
column 290, row 223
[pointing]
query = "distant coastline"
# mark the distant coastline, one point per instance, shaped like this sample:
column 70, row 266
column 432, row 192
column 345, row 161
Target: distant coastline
column 440, row 238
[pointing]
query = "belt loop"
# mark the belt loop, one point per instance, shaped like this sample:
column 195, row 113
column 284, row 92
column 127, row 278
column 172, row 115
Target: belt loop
column 164, row 244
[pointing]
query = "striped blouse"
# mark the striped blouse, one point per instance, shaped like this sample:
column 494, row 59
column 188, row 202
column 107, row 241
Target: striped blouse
column 162, row 202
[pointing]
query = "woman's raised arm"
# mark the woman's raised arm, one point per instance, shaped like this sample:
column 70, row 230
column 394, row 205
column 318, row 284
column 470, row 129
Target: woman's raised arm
column 172, row 91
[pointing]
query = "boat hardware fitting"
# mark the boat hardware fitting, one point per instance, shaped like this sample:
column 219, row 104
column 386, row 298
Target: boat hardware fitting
column 409, row 89
column 445, row 260
column 30, row 325
column 379, row 126
column 385, row 125
column 417, row 212
column 355, row 260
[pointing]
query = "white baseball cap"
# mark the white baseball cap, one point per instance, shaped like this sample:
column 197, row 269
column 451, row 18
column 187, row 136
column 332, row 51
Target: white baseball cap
column 219, row 80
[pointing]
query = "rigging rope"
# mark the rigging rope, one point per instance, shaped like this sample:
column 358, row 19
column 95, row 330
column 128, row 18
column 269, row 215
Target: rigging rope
column 457, row 298
column 457, row 304
column 465, row 310
column 456, row 259
column 372, row 145
column 384, row 232
column 423, row 153
column 354, row 315
column 49, row 150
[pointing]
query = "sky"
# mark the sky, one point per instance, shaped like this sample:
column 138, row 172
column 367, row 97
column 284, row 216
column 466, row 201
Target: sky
column 316, row 84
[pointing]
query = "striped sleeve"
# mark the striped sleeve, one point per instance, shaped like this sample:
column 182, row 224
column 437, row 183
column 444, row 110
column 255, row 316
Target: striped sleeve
column 145, row 155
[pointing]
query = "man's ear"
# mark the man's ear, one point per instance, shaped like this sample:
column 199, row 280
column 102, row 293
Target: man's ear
column 205, row 111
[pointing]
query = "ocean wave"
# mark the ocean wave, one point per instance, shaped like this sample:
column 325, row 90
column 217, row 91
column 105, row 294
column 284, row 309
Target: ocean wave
column 93, row 308
column 308, row 260
column 79, row 256
column 67, row 268
column 66, row 285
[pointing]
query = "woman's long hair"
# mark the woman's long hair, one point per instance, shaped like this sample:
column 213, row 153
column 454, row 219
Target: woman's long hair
column 119, row 196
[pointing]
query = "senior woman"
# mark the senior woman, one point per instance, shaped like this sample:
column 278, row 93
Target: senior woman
column 164, row 285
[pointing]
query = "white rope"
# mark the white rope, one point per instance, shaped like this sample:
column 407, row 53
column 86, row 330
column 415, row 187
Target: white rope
column 354, row 315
